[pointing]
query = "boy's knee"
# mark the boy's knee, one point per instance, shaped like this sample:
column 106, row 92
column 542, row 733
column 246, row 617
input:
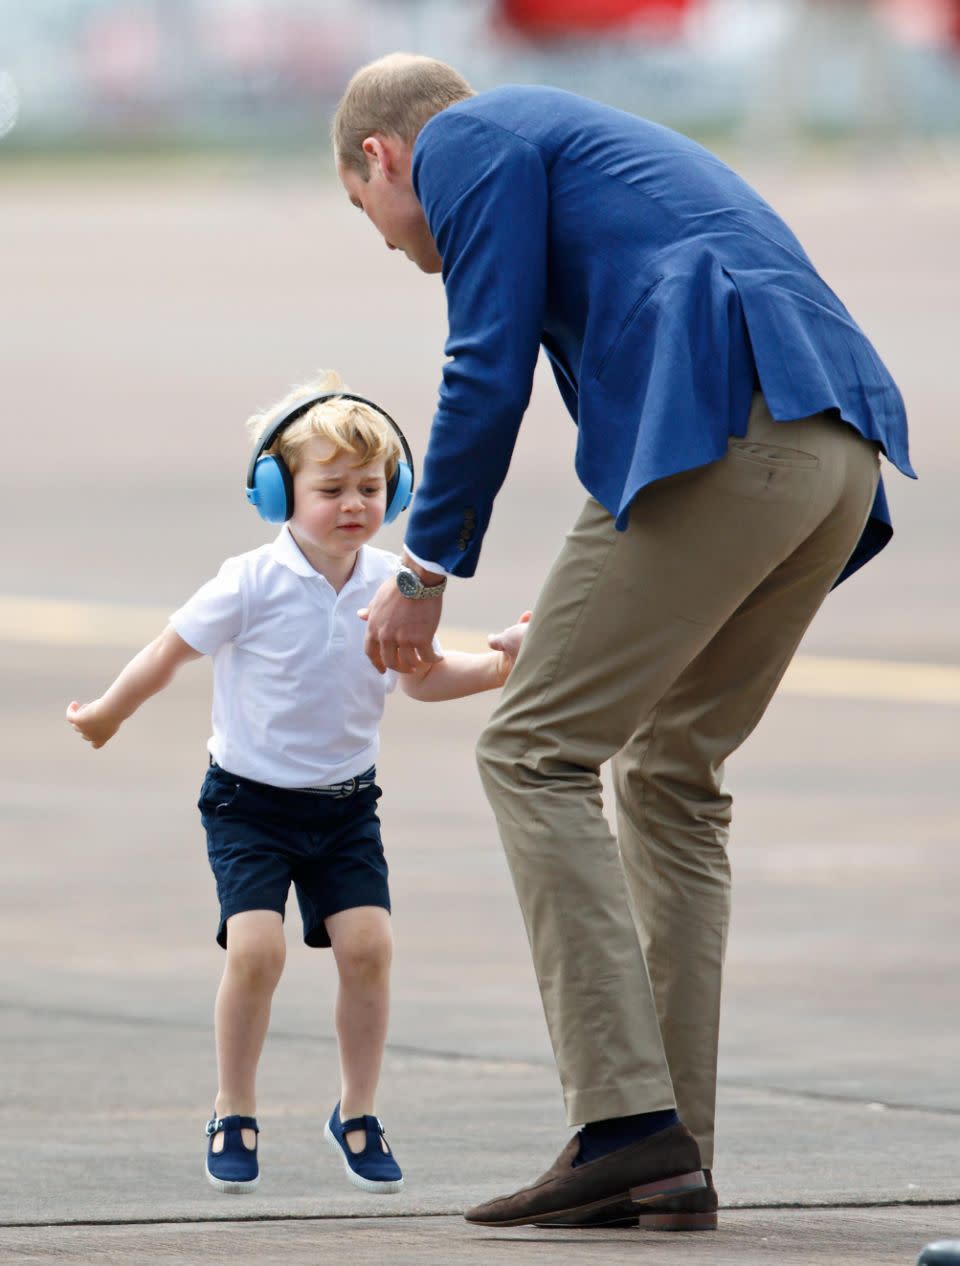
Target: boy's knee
column 257, row 965
column 366, row 957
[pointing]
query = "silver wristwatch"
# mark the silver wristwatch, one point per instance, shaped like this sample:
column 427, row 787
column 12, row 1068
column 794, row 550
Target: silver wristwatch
column 411, row 586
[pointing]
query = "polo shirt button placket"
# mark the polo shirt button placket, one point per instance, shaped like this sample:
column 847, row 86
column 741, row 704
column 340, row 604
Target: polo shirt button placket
column 338, row 635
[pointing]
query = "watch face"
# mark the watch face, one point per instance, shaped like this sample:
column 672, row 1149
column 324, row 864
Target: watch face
column 408, row 584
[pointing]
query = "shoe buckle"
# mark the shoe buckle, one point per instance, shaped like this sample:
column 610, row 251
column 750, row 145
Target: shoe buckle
column 213, row 1125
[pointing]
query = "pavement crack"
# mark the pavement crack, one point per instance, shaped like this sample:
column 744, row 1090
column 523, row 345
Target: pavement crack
column 276, row 1035
column 763, row 1206
column 830, row 1096
column 515, row 1062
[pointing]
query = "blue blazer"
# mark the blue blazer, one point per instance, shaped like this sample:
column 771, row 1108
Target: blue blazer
column 661, row 287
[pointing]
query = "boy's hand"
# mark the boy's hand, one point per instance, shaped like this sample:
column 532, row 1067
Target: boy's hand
column 508, row 644
column 92, row 722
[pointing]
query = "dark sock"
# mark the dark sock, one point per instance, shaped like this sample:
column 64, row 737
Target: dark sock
column 598, row 1138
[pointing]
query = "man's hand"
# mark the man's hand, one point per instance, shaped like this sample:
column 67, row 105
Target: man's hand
column 400, row 630
column 93, row 722
column 508, row 644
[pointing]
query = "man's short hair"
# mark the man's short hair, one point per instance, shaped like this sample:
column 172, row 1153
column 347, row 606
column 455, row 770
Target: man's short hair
column 393, row 96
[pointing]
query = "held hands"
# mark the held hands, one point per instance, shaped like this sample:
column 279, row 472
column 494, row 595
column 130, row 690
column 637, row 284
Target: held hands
column 93, row 722
column 508, row 644
column 400, row 630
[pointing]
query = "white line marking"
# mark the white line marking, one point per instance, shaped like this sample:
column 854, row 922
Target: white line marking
column 56, row 622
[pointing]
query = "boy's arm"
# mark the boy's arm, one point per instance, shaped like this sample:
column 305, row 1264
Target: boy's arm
column 148, row 672
column 460, row 673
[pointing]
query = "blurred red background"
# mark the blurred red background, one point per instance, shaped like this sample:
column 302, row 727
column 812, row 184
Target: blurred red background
column 565, row 17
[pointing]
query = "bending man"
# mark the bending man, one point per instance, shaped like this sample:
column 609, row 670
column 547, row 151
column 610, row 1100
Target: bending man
column 731, row 415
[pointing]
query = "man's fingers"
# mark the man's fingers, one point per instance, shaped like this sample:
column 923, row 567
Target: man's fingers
column 407, row 660
column 371, row 648
column 403, row 659
column 424, row 652
column 388, row 653
column 384, row 653
column 407, row 657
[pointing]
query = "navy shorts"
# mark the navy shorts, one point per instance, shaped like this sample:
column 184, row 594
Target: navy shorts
column 260, row 839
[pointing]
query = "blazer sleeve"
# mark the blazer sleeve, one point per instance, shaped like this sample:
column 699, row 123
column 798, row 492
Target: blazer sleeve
column 484, row 193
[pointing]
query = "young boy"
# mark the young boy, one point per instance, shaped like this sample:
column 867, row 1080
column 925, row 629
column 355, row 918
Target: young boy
column 290, row 794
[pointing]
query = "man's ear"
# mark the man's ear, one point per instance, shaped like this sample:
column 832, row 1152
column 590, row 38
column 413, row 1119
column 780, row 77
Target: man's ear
column 392, row 155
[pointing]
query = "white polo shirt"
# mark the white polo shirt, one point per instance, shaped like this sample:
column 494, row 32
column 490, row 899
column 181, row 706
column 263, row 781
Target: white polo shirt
column 296, row 702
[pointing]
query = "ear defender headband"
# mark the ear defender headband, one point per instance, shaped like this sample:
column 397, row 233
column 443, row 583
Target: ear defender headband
column 270, row 484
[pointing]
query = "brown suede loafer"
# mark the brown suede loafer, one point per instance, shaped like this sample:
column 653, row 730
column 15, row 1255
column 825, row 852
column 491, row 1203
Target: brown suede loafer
column 662, row 1167
column 691, row 1211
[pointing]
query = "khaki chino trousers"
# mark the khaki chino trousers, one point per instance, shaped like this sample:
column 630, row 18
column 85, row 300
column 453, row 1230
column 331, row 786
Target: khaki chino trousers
column 659, row 648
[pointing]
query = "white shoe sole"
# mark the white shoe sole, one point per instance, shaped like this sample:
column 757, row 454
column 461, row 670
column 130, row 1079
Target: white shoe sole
column 231, row 1188
column 365, row 1184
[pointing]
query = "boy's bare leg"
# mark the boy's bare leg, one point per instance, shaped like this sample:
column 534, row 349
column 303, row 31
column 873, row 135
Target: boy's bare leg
column 363, row 947
column 255, row 955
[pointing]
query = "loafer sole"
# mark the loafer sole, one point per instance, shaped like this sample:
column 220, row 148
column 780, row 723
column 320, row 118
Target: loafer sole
column 678, row 1222
column 663, row 1188
column 619, row 1217
column 693, row 1211
column 365, row 1184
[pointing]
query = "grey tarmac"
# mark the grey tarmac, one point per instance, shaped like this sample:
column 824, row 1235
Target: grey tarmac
column 156, row 309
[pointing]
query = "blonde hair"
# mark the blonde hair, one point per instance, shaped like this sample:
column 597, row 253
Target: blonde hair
column 393, row 96
column 351, row 427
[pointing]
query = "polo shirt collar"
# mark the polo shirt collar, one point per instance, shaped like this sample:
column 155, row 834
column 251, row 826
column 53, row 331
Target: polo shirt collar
column 285, row 550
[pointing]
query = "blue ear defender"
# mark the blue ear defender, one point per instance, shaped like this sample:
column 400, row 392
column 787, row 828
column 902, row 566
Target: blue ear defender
column 272, row 489
column 270, row 484
column 399, row 489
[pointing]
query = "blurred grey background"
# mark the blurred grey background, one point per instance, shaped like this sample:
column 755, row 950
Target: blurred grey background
column 138, row 73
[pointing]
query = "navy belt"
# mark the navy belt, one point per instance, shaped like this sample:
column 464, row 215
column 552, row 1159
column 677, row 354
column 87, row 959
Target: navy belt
column 337, row 790
column 340, row 790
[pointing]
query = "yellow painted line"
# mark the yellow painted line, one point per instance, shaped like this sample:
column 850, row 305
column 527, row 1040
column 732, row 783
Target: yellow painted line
column 56, row 622
column 887, row 679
